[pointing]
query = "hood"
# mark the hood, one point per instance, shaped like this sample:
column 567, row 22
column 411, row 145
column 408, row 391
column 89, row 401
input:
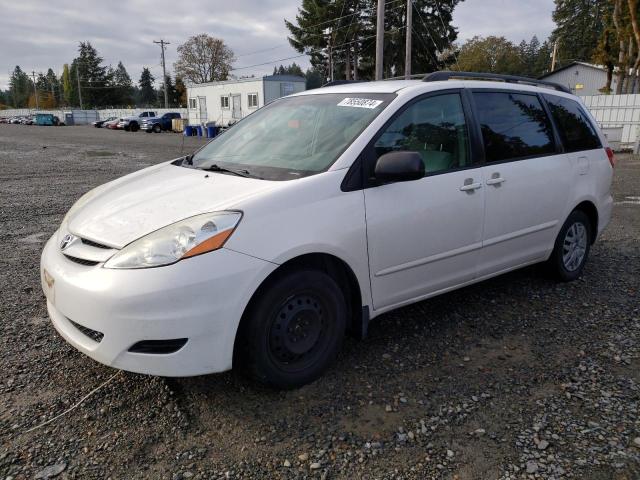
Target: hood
column 133, row 206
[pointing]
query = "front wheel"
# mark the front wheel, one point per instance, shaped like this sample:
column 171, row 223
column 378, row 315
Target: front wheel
column 134, row 127
column 293, row 330
column 572, row 247
column 157, row 128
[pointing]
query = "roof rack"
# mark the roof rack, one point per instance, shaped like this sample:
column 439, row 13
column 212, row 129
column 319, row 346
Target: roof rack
column 333, row 83
column 446, row 75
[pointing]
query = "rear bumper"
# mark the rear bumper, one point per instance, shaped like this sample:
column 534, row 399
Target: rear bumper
column 201, row 299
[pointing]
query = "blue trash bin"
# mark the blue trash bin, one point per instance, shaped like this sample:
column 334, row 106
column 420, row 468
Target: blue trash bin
column 188, row 131
column 211, row 131
column 199, row 130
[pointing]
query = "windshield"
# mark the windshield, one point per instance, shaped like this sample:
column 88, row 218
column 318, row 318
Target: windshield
column 294, row 136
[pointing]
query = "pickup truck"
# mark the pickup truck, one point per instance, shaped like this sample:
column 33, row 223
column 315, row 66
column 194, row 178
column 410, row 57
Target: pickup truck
column 158, row 124
column 132, row 124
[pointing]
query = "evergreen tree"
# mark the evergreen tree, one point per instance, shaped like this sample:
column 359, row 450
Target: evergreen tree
column 147, row 92
column 172, row 94
column 314, row 77
column 347, row 28
column 94, row 78
column 123, row 86
column 579, row 25
column 21, row 87
column 293, row 69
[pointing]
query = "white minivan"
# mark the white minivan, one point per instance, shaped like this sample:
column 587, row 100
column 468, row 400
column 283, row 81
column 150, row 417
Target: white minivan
column 321, row 211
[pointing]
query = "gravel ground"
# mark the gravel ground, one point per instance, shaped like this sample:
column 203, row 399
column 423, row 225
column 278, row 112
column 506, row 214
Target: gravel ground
column 516, row 377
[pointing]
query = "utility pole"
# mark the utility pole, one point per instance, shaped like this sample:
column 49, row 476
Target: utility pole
column 79, row 88
column 162, row 43
column 379, row 39
column 407, row 46
column 554, row 55
column 35, row 88
column 328, row 32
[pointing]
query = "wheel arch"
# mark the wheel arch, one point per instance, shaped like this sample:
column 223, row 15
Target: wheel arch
column 591, row 211
column 334, row 266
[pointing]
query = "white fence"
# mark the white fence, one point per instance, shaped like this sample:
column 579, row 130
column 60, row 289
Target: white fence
column 617, row 111
column 102, row 114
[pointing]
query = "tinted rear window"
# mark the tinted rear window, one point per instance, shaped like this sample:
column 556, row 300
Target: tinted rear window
column 574, row 127
column 514, row 125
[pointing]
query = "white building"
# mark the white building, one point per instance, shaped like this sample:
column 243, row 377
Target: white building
column 231, row 100
column 582, row 78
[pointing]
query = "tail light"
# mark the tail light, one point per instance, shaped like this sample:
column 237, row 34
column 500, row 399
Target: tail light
column 612, row 158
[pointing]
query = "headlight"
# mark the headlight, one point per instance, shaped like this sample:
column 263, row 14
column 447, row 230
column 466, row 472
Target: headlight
column 184, row 239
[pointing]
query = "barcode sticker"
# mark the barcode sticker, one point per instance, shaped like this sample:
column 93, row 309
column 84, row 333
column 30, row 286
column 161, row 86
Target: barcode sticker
column 360, row 103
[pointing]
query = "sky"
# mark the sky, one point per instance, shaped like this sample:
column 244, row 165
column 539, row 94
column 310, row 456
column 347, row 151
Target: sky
column 38, row 34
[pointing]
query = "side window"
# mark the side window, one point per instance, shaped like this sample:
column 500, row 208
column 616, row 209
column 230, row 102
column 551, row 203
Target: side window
column 435, row 128
column 192, row 103
column 575, row 129
column 224, row 102
column 513, row 125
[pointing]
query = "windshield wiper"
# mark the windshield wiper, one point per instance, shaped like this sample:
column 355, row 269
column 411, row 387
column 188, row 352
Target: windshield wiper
column 218, row 168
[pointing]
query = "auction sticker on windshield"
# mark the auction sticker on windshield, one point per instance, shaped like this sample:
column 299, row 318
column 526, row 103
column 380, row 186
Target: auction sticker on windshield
column 359, row 102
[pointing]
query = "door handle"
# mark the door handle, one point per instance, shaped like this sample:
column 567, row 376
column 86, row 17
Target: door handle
column 495, row 180
column 469, row 186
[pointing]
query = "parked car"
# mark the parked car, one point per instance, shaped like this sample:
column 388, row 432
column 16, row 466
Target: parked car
column 133, row 123
column 321, row 211
column 111, row 124
column 15, row 120
column 100, row 123
column 158, row 124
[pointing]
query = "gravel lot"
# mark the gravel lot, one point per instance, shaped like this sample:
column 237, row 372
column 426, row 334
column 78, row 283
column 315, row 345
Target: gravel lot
column 516, row 377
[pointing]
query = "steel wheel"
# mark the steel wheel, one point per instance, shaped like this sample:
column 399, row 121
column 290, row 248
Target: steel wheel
column 297, row 331
column 293, row 329
column 574, row 246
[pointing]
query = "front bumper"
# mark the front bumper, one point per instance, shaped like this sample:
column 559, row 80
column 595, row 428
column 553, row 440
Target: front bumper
column 201, row 299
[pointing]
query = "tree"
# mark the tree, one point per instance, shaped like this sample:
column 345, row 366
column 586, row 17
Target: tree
column 314, row 77
column 94, row 77
column 579, row 25
column 490, row 55
column 147, row 92
column 66, row 84
column 339, row 35
column 123, row 87
column 181, row 91
column 203, row 58
column 172, row 94
column 293, row 69
column 21, row 87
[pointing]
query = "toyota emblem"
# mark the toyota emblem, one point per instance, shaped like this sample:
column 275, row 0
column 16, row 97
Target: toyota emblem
column 66, row 241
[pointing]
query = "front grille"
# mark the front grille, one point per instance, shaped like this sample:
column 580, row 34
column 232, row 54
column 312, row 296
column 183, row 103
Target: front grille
column 92, row 334
column 161, row 347
column 94, row 244
column 82, row 261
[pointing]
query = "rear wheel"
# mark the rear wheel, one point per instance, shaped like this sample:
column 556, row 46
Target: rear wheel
column 134, row 127
column 293, row 330
column 572, row 247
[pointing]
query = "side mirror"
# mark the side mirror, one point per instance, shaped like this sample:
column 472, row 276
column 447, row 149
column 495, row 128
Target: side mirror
column 399, row 167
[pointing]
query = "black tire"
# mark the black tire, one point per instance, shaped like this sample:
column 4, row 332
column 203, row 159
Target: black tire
column 134, row 127
column 293, row 330
column 576, row 226
column 127, row 128
column 157, row 128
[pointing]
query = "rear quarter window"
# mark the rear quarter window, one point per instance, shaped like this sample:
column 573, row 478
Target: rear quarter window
column 576, row 131
column 514, row 125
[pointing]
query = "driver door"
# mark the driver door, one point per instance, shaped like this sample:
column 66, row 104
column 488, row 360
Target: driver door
column 424, row 236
